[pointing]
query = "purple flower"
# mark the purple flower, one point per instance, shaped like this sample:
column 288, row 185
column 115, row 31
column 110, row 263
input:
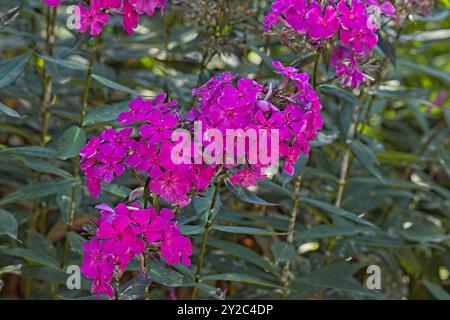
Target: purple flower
column 352, row 18
column 93, row 18
column 159, row 129
column 322, row 26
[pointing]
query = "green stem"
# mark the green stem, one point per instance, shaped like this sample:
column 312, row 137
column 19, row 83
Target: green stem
column 346, row 159
column 290, row 234
column 87, row 85
column 205, row 237
column 47, row 86
column 146, row 192
column 84, row 103
column 316, row 67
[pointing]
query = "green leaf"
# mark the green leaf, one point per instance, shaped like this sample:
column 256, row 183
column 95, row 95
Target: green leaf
column 117, row 190
column 105, row 113
column 380, row 240
column 31, row 256
column 29, row 151
column 423, row 234
column 39, row 243
column 210, row 291
column 272, row 191
column 247, row 196
column 444, row 159
column 8, row 111
column 245, row 230
column 114, row 85
column 438, row 74
column 339, row 277
column 327, row 231
column 160, row 273
column 387, row 48
column 75, row 242
column 52, row 275
column 73, row 65
column 11, row 69
column 64, row 201
column 43, row 166
column 191, row 229
column 239, row 277
column 8, row 224
column 437, row 291
column 243, row 253
column 70, row 143
column 337, row 211
column 283, row 251
column 340, row 93
column 366, row 157
column 38, row 189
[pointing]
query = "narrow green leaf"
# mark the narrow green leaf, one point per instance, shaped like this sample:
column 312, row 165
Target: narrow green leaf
column 29, row 151
column 160, row 273
column 366, row 157
column 8, row 224
column 70, row 143
column 337, row 211
column 31, row 256
column 38, row 189
column 11, row 69
column 75, row 242
column 437, row 291
column 423, row 234
column 39, row 165
column 245, row 230
column 243, row 253
column 387, row 48
column 73, row 65
column 347, row 96
column 105, row 114
column 114, row 85
column 326, row 231
column 8, row 111
column 444, row 158
column 239, row 277
column 283, row 251
column 64, row 201
column 420, row 68
column 247, row 196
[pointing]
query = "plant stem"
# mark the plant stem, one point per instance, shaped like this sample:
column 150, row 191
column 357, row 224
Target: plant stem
column 84, row 102
column 205, row 237
column 47, row 86
column 146, row 192
column 346, row 160
column 316, row 67
column 290, row 234
column 87, row 84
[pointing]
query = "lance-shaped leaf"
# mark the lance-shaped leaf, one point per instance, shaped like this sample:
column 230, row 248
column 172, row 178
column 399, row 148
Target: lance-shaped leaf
column 11, row 69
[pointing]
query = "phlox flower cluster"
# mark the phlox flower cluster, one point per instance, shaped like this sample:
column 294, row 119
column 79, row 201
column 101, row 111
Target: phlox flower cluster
column 222, row 105
column 349, row 26
column 96, row 14
column 126, row 231
column 106, row 156
column 247, row 104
